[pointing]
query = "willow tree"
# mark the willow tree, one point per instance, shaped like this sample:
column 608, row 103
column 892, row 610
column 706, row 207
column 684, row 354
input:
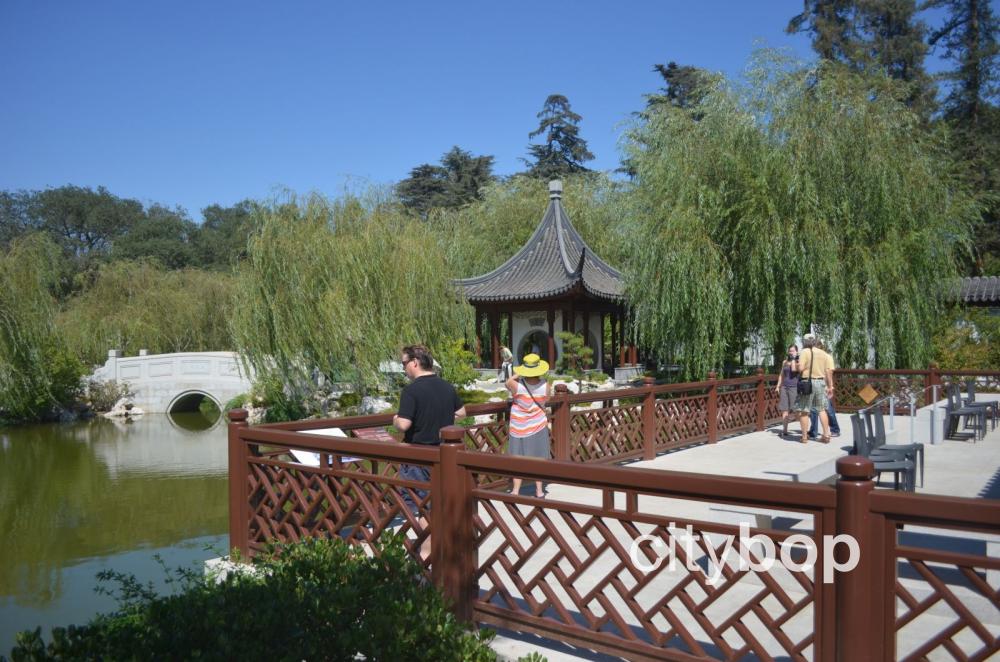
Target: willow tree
column 800, row 196
column 338, row 287
column 37, row 372
column 133, row 305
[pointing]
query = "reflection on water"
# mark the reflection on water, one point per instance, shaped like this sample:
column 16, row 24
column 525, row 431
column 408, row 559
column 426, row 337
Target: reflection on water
column 86, row 496
column 195, row 421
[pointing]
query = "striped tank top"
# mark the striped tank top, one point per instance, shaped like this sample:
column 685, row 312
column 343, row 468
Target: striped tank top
column 527, row 418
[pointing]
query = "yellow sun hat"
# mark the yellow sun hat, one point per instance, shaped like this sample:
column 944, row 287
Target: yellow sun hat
column 532, row 365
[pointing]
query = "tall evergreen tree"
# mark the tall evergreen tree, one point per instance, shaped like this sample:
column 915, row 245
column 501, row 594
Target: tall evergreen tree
column 564, row 151
column 456, row 182
column 872, row 36
column 684, row 86
column 969, row 38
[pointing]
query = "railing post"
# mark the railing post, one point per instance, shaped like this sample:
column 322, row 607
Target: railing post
column 560, row 423
column 649, row 420
column 452, row 542
column 858, row 632
column 239, row 512
column 761, row 401
column 712, row 411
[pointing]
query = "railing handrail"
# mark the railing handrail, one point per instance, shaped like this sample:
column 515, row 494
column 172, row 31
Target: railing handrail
column 659, row 482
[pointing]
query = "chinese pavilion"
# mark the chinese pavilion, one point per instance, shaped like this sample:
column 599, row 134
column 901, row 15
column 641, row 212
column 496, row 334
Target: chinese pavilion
column 554, row 283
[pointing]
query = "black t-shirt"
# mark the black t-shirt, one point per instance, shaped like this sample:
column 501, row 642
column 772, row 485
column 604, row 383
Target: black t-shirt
column 430, row 402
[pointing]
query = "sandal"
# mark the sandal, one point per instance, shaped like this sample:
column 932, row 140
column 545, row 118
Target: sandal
column 804, row 439
column 825, row 439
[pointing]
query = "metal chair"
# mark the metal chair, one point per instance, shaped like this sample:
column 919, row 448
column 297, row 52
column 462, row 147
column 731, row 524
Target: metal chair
column 884, row 461
column 876, row 435
column 992, row 407
column 954, row 412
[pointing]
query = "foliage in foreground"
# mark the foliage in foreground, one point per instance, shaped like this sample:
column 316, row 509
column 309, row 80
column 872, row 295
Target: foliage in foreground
column 806, row 196
column 316, row 600
column 38, row 373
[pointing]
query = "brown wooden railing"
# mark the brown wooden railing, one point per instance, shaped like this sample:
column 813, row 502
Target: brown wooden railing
column 568, row 566
column 905, row 385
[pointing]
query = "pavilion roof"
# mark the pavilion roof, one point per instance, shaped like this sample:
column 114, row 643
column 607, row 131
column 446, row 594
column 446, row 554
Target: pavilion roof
column 980, row 290
column 554, row 261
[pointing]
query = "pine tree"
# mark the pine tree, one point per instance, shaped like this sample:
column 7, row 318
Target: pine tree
column 564, row 151
column 455, row 183
column 969, row 38
column 872, row 36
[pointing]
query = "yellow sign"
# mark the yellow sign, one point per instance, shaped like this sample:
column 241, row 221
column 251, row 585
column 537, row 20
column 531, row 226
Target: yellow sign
column 868, row 394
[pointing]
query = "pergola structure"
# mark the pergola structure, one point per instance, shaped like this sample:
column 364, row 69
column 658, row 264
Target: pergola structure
column 554, row 282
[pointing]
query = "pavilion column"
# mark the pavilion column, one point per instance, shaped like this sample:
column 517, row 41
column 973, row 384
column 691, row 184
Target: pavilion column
column 622, row 357
column 586, row 328
column 614, row 339
column 495, row 337
column 601, row 359
column 551, row 313
column 479, row 338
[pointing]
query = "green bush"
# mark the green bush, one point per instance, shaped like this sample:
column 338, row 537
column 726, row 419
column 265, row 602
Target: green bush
column 103, row 395
column 456, row 363
column 269, row 392
column 315, row 600
column 348, row 400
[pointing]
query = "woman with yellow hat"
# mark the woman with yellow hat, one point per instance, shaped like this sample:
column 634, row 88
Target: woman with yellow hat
column 529, row 426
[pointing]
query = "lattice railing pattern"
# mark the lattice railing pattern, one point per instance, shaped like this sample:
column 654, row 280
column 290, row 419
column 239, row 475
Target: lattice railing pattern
column 947, row 605
column 571, row 568
column 771, row 400
column 849, row 386
column 603, row 435
column 681, row 421
column 358, row 502
column 737, row 409
column 490, row 438
column 984, row 383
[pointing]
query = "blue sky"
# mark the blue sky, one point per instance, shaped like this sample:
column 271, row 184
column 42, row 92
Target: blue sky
column 190, row 104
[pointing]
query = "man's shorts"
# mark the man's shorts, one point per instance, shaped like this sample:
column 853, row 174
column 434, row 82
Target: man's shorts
column 815, row 400
column 416, row 473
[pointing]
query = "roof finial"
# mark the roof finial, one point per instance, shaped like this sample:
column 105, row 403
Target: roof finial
column 555, row 189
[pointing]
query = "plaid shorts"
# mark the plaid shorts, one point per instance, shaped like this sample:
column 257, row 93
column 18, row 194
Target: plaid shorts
column 815, row 400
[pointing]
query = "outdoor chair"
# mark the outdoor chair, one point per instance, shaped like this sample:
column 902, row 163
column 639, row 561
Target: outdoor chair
column 884, row 461
column 954, row 413
column 876, row 438
column 992, row 407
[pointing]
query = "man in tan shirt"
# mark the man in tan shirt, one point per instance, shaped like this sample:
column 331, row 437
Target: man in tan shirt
column 817, row 367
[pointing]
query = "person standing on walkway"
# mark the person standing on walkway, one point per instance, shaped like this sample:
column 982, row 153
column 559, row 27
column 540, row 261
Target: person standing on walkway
column 507, row 362
column 817, row 367
column 529, row 426
column 787, row 388
column 427, row 404
column 831, row 411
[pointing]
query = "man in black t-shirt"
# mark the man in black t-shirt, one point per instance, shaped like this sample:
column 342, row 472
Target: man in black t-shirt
column 427, row 404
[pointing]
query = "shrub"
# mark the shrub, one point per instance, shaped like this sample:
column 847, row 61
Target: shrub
column 315, row 600
column 269, row 392
column 456, row 363
column 104, row 394
column 474, row 396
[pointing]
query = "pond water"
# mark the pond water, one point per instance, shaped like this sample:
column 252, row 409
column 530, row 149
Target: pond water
column 83, row 497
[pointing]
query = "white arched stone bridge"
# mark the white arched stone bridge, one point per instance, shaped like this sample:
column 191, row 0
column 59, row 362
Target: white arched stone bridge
column 176, row 382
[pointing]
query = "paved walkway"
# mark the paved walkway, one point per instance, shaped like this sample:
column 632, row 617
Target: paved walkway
column 955, row 468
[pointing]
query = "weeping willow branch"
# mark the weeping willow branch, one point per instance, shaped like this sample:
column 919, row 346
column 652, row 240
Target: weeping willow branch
column 804, row 196
column 336, row 288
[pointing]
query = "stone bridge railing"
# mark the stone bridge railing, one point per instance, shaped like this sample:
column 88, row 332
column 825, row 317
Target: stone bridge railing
column 175, row 382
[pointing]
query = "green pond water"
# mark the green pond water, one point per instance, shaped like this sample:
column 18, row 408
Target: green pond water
column 83, row 497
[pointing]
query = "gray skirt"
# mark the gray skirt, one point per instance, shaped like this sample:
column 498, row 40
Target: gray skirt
column 536, row 445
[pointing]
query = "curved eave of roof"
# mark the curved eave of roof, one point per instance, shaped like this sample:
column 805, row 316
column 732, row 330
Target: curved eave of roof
column 978, row 289
column 527, row 267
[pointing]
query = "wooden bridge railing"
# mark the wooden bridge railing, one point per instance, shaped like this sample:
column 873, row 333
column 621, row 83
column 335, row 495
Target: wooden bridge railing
column 583, row 569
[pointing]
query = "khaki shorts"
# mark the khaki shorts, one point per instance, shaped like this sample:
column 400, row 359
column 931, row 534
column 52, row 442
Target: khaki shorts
column 815, row 400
